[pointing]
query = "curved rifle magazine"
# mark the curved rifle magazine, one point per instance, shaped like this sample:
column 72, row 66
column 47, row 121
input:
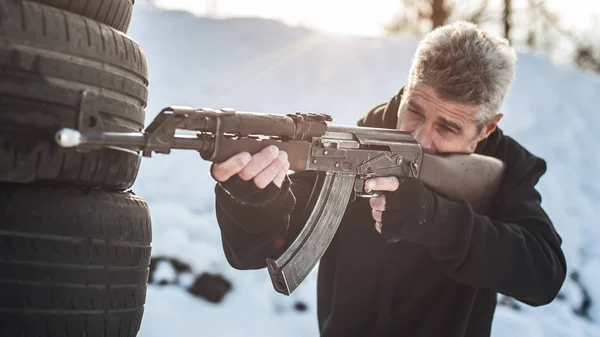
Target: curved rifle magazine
column 292, row 267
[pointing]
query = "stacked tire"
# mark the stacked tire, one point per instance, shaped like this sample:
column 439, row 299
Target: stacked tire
column 75, row 241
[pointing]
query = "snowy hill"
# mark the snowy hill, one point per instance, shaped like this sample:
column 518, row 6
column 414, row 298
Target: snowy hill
column 260, row 65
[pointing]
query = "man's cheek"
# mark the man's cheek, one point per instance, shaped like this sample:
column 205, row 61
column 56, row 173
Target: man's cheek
column 451, row 146
column 408, row 125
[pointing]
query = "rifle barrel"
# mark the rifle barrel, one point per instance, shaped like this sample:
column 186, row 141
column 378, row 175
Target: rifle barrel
column 132, row 140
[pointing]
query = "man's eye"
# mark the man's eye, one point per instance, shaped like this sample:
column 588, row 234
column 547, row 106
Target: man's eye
column 446, row 129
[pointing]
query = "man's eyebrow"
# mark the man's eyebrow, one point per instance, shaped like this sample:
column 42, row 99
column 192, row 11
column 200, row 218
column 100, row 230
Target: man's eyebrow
column 449, row 123
column 415, row 105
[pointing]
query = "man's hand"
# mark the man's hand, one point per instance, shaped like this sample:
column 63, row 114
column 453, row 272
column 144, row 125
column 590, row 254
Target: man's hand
column 404, row 211
column 389, row 184
column 268, row 165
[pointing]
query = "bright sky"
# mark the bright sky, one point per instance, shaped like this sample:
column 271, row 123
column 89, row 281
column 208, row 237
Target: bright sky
column 343, row 16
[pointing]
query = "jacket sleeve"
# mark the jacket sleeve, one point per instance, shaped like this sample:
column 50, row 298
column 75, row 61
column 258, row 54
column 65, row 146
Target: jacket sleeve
column 258, row 224
column 515, row 251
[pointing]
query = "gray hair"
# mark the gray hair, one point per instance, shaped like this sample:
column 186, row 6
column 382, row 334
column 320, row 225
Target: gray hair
column 464, row 64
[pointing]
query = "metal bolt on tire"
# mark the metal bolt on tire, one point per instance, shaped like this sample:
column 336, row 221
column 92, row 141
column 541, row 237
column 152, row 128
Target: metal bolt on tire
column 59, row 69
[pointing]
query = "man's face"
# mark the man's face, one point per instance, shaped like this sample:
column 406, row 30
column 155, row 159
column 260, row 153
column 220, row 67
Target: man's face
column 441, row 126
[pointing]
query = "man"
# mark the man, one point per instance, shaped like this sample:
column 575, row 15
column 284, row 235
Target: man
column 411, row 262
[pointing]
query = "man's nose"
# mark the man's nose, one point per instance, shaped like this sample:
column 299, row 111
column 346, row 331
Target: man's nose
column 424, row 136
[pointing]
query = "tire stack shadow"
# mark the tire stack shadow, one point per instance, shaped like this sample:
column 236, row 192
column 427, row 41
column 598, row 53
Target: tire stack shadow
column 75, row 241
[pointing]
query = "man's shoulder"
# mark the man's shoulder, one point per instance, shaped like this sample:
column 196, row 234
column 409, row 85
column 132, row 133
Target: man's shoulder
column 383, row 115
column 521, row 163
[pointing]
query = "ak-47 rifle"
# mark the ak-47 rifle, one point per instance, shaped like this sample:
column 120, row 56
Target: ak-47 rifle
column 343, row 157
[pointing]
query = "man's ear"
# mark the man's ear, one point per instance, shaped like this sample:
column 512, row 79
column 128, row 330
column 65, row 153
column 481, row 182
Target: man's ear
column 490, row 126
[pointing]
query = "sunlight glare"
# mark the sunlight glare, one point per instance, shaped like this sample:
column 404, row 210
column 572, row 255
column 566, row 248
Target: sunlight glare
column 348, row 17
column 334, row 16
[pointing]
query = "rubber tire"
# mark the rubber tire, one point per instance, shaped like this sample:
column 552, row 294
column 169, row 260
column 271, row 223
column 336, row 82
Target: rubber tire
column 48, row 58
column 72, row 262
column 115, row 13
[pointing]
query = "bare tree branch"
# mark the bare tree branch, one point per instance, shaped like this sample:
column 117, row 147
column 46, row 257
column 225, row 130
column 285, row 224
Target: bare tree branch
column 507, row 18
column 478, row 16
column 439, row 13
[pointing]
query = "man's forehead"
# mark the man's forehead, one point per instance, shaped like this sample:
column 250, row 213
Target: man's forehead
column 424, row 98
column 424, row 95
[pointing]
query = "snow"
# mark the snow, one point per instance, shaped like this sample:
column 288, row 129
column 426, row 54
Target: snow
column 262, row 65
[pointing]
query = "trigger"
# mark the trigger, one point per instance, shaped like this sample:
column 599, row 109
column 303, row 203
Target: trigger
column 373, row 194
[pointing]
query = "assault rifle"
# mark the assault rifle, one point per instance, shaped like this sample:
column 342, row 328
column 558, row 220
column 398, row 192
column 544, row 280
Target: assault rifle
column 343, row 157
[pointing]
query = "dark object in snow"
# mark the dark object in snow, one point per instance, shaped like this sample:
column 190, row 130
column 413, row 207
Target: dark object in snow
column 211, row 287
column 178, row 265
column 584, row 309
column 300, row 306
column 509, row 302
column 163, row 282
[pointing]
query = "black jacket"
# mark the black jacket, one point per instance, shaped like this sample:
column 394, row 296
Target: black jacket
column 447, row 287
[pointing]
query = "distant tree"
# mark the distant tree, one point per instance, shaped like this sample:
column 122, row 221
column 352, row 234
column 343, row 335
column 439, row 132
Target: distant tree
column 506, row 18
column 587, row 49
column 421, row 16
column 535, row 26
column 543, row 27
column 439, row 13
column 547, row 34
column 212, row 7
column 587, row 56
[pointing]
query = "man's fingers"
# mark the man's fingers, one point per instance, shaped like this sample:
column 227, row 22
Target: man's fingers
column 266, row 176
column 223, row 171
column 280, row 177
column 378, row 226
column 378, row 203
column 376, row 215
column 259, row 162
column 382, row 184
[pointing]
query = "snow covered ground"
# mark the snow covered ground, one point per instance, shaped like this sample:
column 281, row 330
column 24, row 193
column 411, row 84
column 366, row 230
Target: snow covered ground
column 260, row 65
